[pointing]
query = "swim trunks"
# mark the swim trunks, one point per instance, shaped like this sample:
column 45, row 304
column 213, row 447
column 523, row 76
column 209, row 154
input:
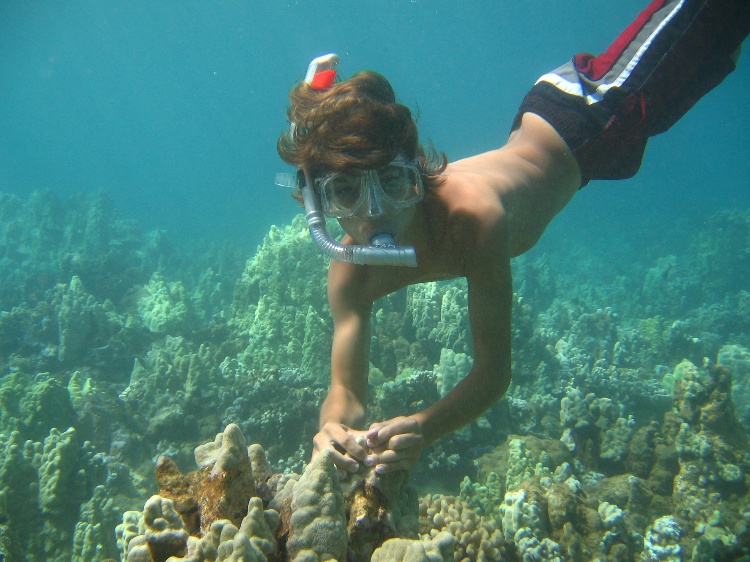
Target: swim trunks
column 607, row 107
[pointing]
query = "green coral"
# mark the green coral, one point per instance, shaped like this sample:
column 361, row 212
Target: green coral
column 81, row 320
column 440, row 315
column 484, row 499
column 165, row 308
column 736, row 358
column 173, row 386
column 18, row 482
column 453, row 367
column 524, row 463
column 280, row 305
column 44, row 404
column 47, row 483
column 439, row 548
column 679, row 373
column 93, row 539
column 318, row 526
column 61, row 484
column 410, row 392
column 615, row 440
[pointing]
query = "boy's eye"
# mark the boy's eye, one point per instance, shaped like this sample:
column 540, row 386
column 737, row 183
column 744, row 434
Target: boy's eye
column 346, row 187
column 394, row 182
column 389, row 174
column 346, row 182
column 345, row 190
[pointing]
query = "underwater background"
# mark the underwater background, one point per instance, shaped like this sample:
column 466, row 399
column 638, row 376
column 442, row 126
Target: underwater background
column 156, row 287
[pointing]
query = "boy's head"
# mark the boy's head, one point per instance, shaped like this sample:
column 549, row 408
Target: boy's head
column 355, row 125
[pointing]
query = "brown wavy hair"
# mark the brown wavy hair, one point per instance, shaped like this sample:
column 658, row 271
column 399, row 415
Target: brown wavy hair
column 353, row 126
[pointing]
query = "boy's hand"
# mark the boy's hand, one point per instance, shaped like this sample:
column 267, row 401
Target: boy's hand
column 395, row 444
column 343, row 441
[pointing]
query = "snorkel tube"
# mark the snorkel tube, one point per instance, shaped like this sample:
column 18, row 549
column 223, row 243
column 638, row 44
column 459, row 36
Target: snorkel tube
column 382, row 249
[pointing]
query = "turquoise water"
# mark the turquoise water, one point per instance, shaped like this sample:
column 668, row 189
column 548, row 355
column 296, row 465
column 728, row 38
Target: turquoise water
column 174, row 108
column 147, row 300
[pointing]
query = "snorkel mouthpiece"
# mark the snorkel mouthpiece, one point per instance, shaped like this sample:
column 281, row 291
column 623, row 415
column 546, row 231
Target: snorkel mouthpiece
column 383, row 240
column 382, row 250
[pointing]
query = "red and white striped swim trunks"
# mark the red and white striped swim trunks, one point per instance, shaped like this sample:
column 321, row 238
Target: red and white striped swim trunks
column 606, row 107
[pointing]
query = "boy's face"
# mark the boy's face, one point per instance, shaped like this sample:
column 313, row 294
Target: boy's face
column 372, row 201
column 362, row 227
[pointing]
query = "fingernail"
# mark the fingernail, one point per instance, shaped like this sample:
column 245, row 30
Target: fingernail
column 380, row 469
column 354, row 467
column 369, row 461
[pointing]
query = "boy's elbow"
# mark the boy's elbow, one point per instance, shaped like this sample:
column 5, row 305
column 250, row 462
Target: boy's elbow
column 501, row 387
column 496, row 384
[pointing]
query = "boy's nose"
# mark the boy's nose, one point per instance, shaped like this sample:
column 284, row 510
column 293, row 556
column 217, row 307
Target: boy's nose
column 375, row 207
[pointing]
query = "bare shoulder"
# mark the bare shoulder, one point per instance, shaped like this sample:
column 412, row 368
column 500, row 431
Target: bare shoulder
column 534, row 154
column 533, row 177
column 346, row 284
column 475, row 218
column 470, row 196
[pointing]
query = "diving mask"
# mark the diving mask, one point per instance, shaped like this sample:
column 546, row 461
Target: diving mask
column 398, row 185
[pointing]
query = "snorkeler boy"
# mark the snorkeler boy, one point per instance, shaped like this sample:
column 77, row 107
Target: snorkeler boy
column 360, row 162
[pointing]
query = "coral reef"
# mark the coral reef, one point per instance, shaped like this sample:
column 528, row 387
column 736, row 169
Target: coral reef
column 280, row 305
column 547, row 507
column 737, row 360
column 317, row 525
column 165, row 306
column 234, row 507
column 440, row 548
column 42, row 484
column 475, row 536
column 619, row 439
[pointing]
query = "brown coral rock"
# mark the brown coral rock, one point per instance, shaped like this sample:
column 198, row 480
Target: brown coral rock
column 202, row 497
column 642, row 451
column 370, row 522
column 175, row 486
column 562, row 506
column 664, row 470
column 224, row 495
column 379, row 508
column 574, row 545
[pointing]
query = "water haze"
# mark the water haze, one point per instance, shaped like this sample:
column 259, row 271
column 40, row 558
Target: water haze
column 173, row 108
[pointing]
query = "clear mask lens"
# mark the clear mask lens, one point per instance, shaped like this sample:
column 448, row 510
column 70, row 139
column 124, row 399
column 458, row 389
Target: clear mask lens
column 398, row 185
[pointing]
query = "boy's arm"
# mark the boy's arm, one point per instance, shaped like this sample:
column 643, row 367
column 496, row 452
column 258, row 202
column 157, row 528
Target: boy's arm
column 398, row 442
column 343, row 410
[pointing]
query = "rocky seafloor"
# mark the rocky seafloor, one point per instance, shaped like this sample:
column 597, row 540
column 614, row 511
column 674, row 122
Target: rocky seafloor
column 158, row 402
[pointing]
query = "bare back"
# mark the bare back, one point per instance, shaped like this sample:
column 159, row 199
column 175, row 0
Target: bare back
column 534, row 176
